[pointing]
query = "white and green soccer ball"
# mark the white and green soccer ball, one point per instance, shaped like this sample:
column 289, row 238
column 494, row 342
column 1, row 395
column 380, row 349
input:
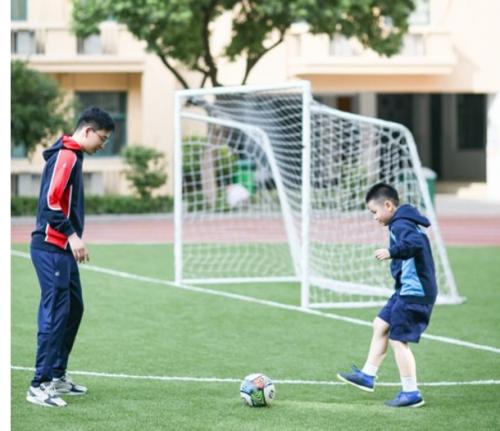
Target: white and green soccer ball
column 257, row 390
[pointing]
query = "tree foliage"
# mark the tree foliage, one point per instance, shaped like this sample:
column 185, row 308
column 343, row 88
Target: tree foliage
column 145, row 169
column 37, row 109
column 179, row 31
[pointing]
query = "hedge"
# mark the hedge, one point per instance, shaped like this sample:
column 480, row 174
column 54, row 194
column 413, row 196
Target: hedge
column 21, row 206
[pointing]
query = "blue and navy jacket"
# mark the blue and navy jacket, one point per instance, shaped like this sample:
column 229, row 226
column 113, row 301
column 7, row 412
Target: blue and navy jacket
column 60, row 203
column 412, row 264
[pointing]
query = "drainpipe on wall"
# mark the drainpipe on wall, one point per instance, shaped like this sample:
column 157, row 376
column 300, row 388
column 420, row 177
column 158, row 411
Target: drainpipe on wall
column 493, row 148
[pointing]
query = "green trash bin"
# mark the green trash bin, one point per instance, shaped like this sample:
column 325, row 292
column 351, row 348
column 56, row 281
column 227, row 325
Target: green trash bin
column 245, row 174
column 430, row 178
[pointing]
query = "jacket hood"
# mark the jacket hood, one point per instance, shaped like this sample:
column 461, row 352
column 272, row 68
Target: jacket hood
column 409, row 212
column 64, row 141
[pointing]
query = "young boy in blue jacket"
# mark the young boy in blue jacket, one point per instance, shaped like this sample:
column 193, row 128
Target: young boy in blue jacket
column 56, row 249
column 407, row 312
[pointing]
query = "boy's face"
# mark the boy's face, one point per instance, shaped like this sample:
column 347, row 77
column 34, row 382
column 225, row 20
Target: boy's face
column 94, row 140
column 382, row 210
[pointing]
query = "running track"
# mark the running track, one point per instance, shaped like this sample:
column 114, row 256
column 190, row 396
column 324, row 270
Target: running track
column 455, row 230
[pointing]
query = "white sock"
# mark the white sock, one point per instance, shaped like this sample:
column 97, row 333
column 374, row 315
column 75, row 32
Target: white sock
column 370, row 369
column 409, row 384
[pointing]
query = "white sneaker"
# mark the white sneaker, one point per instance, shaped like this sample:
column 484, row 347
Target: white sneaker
column 66, row 386
column 44, row 395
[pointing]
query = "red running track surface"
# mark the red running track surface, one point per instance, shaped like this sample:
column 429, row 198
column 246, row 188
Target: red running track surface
column 457, row 230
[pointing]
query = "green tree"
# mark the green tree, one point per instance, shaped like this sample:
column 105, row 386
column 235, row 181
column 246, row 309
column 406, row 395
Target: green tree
column 179, row 31
column 37, row 108
column 145, row 170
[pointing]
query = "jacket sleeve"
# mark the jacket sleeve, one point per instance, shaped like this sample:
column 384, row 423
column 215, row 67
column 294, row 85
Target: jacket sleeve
column 59, row 193
column 409, row 241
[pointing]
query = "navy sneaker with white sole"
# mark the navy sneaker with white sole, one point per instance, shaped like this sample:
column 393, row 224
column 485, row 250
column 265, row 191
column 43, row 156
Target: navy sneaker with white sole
column 407, row 399
column 357, row 378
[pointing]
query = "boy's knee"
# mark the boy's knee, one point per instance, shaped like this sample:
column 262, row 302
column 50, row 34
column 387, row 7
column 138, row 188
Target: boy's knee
column 396, row 344
column 380, row 326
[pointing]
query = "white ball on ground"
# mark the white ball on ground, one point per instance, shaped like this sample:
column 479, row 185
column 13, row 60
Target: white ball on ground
column 236, row 195
column 257, row 390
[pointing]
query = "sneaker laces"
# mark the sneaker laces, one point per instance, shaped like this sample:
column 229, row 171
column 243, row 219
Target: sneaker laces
column 66, row 378
column 50, row 389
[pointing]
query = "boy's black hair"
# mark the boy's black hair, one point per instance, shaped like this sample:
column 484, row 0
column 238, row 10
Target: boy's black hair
column 95, row 118
column 382, row 191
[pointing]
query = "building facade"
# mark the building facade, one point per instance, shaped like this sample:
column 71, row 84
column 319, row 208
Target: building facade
column 444, row 85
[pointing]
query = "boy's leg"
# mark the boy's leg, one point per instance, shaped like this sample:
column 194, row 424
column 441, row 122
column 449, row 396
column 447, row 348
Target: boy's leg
column 406, row 365
column 62, row 382
column 410, row 396
column 73, row 323
column 365, row 379
column 409, row 321
column 53, row 274
column 378, row 347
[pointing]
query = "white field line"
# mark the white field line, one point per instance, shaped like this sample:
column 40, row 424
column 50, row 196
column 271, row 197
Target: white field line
column 233, row 380
column 238, row 297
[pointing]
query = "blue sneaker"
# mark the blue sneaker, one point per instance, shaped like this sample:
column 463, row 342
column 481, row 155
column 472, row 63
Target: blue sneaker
column 359, row 379
column 407, row 399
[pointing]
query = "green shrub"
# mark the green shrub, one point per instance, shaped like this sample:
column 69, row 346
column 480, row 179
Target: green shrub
column 21, row 206
column 38, row 110
column 145, row 169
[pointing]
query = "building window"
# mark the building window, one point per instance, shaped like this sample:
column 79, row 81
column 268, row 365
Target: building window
column 22, row 42
column 91, row 45
column 471, row 121
column 413, row 44
column 115, row 104
column 421, row 14
column 14, row 184
column 18, row 151
column 18, row 10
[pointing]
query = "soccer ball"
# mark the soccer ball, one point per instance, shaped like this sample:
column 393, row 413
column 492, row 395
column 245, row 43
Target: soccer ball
column 236, row 195
column 257, row 390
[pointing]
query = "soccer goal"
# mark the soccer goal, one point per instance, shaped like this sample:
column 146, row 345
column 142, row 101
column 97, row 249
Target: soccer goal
column 270, row 187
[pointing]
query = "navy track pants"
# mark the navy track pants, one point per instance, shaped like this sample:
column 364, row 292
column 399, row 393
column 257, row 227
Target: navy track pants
column 59, row 313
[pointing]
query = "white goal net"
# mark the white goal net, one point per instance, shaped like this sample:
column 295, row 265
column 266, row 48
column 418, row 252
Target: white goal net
column 270, row 187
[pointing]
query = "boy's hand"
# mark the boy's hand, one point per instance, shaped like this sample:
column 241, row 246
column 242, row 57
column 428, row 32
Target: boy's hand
column 382, row 254
column 78, row 248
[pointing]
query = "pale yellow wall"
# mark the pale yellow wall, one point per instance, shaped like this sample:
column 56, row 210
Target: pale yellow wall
column 470, row 26
column 473, row 30
column 49, row 11
column 158, row 86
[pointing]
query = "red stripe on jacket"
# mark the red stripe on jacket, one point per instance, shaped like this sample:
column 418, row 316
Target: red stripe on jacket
column 70, row 143
column 59, row 195
column 55, row 237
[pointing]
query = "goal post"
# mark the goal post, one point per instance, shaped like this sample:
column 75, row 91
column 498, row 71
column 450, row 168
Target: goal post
column 269, row 188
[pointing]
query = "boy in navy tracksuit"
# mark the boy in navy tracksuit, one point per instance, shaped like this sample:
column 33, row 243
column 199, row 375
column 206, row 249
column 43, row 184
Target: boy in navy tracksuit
column 56, row 248
column 406, row 315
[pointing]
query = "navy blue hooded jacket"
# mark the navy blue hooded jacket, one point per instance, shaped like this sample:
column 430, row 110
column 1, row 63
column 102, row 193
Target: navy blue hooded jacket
column 412, row 264
column 60, row 204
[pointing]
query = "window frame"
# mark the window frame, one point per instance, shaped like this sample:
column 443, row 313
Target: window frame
column 116, row 116
column 22, row 10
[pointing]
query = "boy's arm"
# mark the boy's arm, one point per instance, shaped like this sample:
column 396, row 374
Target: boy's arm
column 408, row 243
column 57, row 201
